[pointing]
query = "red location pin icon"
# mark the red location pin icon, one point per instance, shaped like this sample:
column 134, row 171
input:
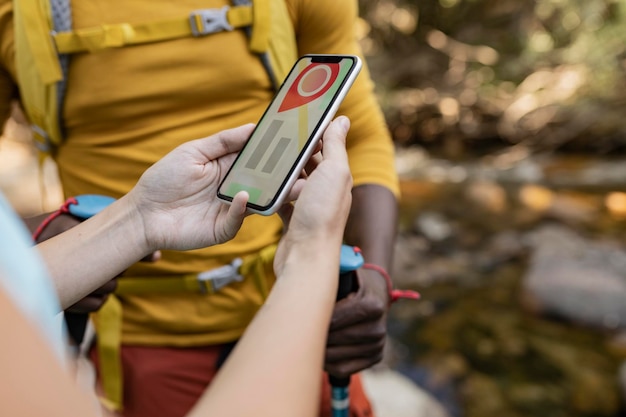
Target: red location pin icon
column 312, row 82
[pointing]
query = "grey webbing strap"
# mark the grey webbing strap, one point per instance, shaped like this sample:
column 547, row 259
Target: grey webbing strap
column 62, row 21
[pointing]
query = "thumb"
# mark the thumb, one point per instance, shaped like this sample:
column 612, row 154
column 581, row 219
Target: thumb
column 334, row 145
column 235, row 215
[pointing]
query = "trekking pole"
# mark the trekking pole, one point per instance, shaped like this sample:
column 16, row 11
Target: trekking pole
column 351, row 260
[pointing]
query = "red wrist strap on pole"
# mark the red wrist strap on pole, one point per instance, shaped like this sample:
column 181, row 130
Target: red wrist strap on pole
column 394, row 295
column 65, row 208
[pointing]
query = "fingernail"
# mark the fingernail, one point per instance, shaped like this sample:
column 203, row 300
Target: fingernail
column 344, row 122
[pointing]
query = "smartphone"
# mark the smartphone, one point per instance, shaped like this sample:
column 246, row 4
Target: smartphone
column 286, row 135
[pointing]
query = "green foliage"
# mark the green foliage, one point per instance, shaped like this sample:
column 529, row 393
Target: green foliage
column 549, row 74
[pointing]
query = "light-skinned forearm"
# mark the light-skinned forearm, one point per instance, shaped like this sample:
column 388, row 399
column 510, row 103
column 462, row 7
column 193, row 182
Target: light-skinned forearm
column 290, row 330
column 33, row 382
column 88, row 255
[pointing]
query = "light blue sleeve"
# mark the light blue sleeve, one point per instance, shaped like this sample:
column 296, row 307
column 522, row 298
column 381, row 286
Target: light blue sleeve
column 25, row 279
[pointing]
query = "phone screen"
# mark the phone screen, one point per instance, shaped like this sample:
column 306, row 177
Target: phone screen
column 300, row 108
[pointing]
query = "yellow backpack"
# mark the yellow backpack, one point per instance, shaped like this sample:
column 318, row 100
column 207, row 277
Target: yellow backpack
column 45, row 41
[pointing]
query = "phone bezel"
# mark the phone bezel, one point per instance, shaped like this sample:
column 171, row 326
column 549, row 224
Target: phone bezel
column 313, row 138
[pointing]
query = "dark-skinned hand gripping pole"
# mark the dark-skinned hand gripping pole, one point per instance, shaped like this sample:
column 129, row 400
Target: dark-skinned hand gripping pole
column 351, row 260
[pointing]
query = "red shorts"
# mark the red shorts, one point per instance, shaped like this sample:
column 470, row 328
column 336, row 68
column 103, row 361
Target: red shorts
column 167, row 382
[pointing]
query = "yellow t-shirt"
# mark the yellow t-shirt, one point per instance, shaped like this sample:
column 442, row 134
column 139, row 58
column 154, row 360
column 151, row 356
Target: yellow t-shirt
column 127, row 107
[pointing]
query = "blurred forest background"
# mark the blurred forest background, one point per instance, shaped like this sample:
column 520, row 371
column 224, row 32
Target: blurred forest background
column 509, row 118
column 547, row 74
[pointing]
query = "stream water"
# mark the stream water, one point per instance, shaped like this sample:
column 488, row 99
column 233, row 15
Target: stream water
column 480, row 241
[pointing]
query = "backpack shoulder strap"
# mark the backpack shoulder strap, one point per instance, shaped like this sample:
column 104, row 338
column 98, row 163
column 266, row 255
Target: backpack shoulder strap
column 39, row 70
column 272, row 37
column 282, row 50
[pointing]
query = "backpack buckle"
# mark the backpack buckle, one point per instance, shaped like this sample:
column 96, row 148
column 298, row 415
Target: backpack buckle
column 220, row 277
column 206, row 21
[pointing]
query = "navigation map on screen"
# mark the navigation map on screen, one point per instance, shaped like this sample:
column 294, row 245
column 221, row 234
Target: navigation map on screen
column 284, row 130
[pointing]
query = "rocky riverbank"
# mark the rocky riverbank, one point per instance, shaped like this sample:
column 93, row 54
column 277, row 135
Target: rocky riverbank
column 522, row 266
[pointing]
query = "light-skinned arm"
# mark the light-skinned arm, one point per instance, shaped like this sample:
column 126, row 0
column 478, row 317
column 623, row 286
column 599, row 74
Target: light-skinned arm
column 285, row 340
column 173, row 206
column 291, row 328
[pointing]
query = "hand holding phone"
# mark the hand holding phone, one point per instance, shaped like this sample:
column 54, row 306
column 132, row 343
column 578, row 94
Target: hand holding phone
column 287, row 133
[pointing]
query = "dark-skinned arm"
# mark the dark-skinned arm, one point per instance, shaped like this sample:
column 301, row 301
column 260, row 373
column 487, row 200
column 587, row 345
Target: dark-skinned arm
column 359, row 322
